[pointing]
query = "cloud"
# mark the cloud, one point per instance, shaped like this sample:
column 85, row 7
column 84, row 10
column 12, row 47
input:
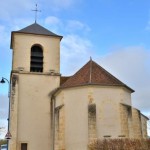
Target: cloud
column 62, row 4
column 4, row 36
column 3, row 128
column 4, row 106
column 75, row 52
column 66, row 26
column 148, row 26
column 3, row 115
column 8, row 11
column 12, row 9
column 74, row 25
column 53, row 23
column 3, row 39
column 52, row 20
column 132, row 66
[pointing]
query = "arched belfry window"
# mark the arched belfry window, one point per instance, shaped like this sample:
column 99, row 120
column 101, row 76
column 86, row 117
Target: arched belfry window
column 36, row 63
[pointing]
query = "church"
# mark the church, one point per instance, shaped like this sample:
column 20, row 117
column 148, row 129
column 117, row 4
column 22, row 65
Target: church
column 49, row 111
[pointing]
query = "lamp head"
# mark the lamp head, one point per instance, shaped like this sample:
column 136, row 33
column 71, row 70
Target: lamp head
column 8, row 136
column 2, row 81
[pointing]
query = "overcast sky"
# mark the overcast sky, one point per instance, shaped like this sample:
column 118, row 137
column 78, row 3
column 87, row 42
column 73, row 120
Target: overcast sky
column 115, row 33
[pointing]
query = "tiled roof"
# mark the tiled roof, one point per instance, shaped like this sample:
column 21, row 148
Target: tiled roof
column 37, row 29
column 63, row 79
column 93, row 74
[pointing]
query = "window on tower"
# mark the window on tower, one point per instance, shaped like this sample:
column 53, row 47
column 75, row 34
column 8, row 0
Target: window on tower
column 36, row 64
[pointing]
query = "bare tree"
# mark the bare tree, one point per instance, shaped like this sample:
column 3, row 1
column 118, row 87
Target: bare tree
column 2, row 130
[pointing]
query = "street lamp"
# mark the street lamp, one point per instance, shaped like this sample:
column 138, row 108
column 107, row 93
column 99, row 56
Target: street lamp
column 8, row 134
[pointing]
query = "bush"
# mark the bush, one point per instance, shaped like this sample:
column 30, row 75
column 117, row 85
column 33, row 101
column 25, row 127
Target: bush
column 120, row 144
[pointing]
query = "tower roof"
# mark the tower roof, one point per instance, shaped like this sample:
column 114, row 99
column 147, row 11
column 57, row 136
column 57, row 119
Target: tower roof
column 36, row 29
column 93, row 74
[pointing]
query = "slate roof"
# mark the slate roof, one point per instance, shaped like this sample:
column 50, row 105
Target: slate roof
column 93, row 74
column 35, row 29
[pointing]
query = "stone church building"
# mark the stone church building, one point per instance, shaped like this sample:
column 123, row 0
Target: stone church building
column 49, row 111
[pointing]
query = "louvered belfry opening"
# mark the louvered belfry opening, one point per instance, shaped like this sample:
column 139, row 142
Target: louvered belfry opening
column 36, row 64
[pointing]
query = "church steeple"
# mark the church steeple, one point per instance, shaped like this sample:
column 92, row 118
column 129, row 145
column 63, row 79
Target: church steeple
column 35, row 72
column 36, row 49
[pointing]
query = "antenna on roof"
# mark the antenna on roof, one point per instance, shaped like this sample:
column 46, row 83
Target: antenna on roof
column 36, row 11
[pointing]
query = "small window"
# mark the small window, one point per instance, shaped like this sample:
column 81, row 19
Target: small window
column 36, row 64
column 23, row 146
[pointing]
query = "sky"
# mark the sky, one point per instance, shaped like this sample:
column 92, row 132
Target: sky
column 116, row 34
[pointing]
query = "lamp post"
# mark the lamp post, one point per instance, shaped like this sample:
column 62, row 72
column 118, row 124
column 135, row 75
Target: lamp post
column 8, row 134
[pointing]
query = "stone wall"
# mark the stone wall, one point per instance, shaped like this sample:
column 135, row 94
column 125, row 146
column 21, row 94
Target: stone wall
column 124, row 114
column 13, row 112
column 133, row 123
column 136, row 123
column 59, row 128
column 92, row 122
column 144, row 126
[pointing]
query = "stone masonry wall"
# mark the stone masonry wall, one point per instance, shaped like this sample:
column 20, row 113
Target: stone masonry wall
column 136, row 123
column 91, row 121
column 13, row 112
column 144, row 126
column 60, row 129
column 124, row 121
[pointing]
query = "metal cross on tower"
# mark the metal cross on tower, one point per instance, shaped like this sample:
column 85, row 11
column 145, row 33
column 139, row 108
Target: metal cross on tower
column 36, row 11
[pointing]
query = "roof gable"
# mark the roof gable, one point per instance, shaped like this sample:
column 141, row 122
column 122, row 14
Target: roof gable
column 93, row 74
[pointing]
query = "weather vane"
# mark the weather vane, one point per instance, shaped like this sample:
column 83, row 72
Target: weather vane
column 36, row 11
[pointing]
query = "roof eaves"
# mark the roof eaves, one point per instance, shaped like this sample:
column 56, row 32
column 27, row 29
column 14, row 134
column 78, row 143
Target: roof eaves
column 145, row 116
column 54, row 35
column 108, row 73
column 86, row 84
column 11, row 44
column 121, row 83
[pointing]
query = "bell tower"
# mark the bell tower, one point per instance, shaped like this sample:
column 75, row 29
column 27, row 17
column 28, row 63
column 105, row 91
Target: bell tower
column 35, row 73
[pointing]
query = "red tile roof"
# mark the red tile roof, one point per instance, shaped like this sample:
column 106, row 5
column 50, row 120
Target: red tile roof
column 63, row 79
column 93, row 74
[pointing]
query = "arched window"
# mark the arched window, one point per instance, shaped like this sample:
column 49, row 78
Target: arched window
column 36, row 63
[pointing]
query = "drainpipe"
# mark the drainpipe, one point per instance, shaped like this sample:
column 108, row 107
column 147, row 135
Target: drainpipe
column 53, row 103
